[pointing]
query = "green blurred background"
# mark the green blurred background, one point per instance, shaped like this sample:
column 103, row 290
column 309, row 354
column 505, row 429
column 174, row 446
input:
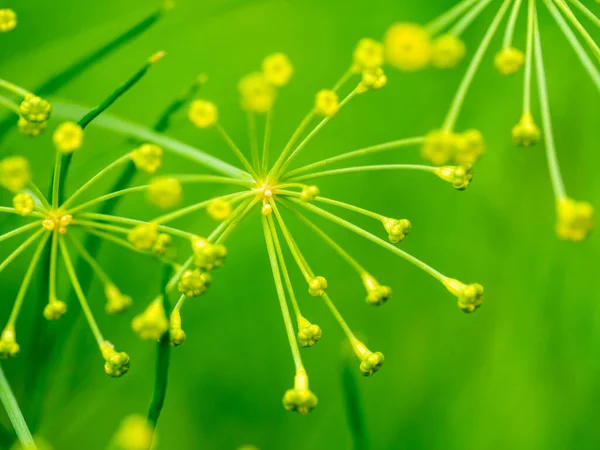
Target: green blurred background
column 521, row 373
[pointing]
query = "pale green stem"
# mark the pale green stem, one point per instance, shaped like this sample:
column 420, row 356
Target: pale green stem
column 312, row 134
column 53, row 264
column 101, row 226
column 343, row 80
column 459, row 98
column 443, row 21
column 267, row 142
column 350, row 226
column 9, row 104
column 229, row 229
column 106, row 197
column 300, row 261
column 14, row 414
column 356, row 153
column 361, row 169
column 80, row 295
column 531, row 11
column 9, row 210
column 469, row 18
column 512, row 22
column 101, row 274
column 56, row 182
column 289, row 327
column 288, row 147
column 236, row 150
column 18, row 90
column 36, row 191
column 586, row 61
column 589, row 14
column 118, row 162
column 127, row 221
column 253, row 138
column 579, row 27
column 19, row 231
column 557, row 181
column 179, row 303
column 212, row 179
column 21, row 248
column 26, row 280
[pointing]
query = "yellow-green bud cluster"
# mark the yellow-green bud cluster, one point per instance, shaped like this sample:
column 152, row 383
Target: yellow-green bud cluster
column 23, row 203
column 376, row 294
column 203, row 114
column 308, row 333
column 309, row 193
column 194, row 283
column 165, row 192
column 460, row 176
column 162, row 244
column 441, row 147
column 509, row 60
column 135, row 433
column 317, row 286
column 575, row 219
column 208, row 256
column 368, row 55
column 257, row 94
column 68, row 137
column 448, row 50
column 116, row 302
column 408, row 47
column 147, row 158
column 300, row 398
column 327, row 103
column 35, row 109
column 152, row 323
column 8, row 343
column 372, row 79
column 370, row 362
column 470, row 296
column 277, row 69
column 397, row 229
column 176, row 333
column 31, row 129
column 219, row 209
column 526, row 133
column 116, row 363
column 55, row 309
column 8, row 20
column 143, row 236
column 14, row 173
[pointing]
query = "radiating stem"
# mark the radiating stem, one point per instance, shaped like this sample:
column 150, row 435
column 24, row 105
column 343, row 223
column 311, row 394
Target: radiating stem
column 288, row 147
column 9, row 104
column 512, row 21
column 20, row 230
column 236, row 150
column 361, row 169
column 21, row 248
column 253, row 138
column 100, row 273
column 267, row 142
column 443, row 21
column 531, row 12
column 589, row 14
column 14, row 414
column 579, row 27
column 469, row 18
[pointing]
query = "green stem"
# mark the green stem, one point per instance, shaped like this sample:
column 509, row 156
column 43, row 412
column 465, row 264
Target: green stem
column 469, row 18
column 18, row 231
column 267, row 142
column 443, row 21
column 14, row 414
column 9, row 104
column 531, row 11
column 579, row 27
column 236, row 150
column 288, row 147
column 110, row 196
column 589, row 14
column 361, row 169
column 253, row 140
column 510, row 27
column 21, row 248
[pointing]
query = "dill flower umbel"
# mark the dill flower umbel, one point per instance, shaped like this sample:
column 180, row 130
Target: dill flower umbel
column 410, row 43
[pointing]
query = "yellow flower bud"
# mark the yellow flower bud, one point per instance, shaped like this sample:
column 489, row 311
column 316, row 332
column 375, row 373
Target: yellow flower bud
column 327, row 103
column 55, row 309
column 509, row 61
column 68, row 137
column 176, row 333
column 31, row 129
column 256, row 93
column 219, row 209
column 376, row 294
column 194, row 283
column 300, row 398
column 147, row 158
column 370, row 362
column 308, row 333
column 397, row 229
column 470, row 145
column 309, row 193
column 575, row 219
column 135, row 433
column 23, row 203
column 116, row 363
column 277, row 69
column 208, row 256
column 152, row 323
column 266, row 209
column 374, row 79
column 407, row 47
column 460, row 176
column 116, row 302
column 470, row 296
column 144, row 236
column 317, row 286
column 448, row 51
column 203, row 114
column 439, row 146
column 8, row 343
column 162, row 244
column 35, row 109
column 8, row 20
column 14, row 173
column 165, row 192
column 58, row 222
column 526, row 133
column 368, row 55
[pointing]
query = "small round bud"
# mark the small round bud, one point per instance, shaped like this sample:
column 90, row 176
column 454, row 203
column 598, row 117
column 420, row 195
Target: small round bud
column 308, row 333
column 407, row 47
column 135, row 433
column 368, row 54
column 68, row 137
column 257, row 95
column 374, row 79
column 327, row 103
column 35, row 109
column 526, row 133
column 14, row 173
column 309, row 193
column 31, row 129
column 116, row 363
column 469, row 147
column 208, row 256
column 317, row 286
column 147, row 158
column 266, row 209
column 219, row 209
column 144, row 236
column 165, row 192
column 116, row 302
column 194, row 283
column 203, row 114
column 277, row 69
column 459, row 176
column 509, row 61
column 376, row 294
column 8, row 20
column 439, row 146
column 162, row 244
column 8, row 343
column 152, row 323
column 23, row 203
column 448, row 51
column 55, row 309
column 575, row 219
column 300, row 398
column 397, row 229
column 470, row 296
column 370, row 362
column 176, row 333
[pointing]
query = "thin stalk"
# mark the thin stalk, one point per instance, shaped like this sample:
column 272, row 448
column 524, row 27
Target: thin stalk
column 459, row 98
column 356, row 153
column 253, row 138
column 13, row 88
column 57, row 180
column 354, row 409
column 589, row 14
column 212, row 179
column 296, row 253
column 443, row 21
column 21, row 248
column 87, row 257
column 579, row 27
column 53, row 265
column 267, row 142
column 469, row 18
column 19, row 231
column 512, row 22
column 288, row 147
column 127, row 221
column 249, row 204
column 557, row 181
column 14, row 414
column 9, row 104
column 238, row 153
column 38, row 193
column 345, row 170
column 531, row 12
column 343, row 80
column 176, row 105
column 109, row 196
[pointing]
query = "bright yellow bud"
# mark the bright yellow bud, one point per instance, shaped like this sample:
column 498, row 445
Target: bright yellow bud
column 68, row 137
column 147, row 158
column 203, row 114
column 448, row 51
column 509, row 61
column 23, row 203
column 408, row 47
column 277, row 69
column 165, row 192
column 327, row 103
column 575, row 219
